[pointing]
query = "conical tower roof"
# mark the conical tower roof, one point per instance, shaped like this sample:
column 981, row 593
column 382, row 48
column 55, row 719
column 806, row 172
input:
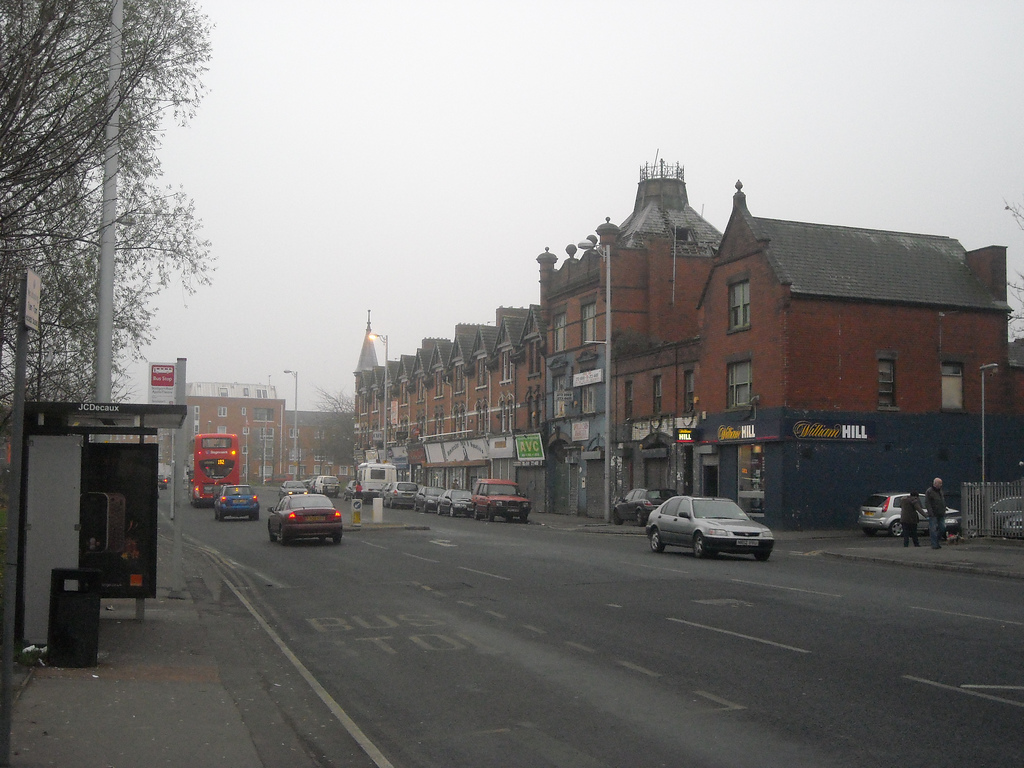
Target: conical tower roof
column 368, row 354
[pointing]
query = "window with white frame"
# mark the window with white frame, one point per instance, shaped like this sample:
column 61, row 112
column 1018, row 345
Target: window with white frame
column 222, row 411
column 481, row 373
column 739, row 305
column 738, row 384
column 953, row 386
column 506, row 365
column 588, row 399
column 588, row 322
column 558, row 332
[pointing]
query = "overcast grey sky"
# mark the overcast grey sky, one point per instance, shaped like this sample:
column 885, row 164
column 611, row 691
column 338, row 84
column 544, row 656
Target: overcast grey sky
column 414, row 158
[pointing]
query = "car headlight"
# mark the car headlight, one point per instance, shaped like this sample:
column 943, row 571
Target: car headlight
column 767, row 535
column 717, row 532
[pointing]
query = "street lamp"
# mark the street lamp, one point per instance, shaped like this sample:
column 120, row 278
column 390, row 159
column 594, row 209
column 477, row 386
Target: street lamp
column 386, row 405
column 986, row 367
column 295, row 437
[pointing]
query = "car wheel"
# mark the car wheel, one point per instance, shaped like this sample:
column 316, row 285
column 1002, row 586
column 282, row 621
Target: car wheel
column 699, row 549
column 273, row 536
column 524, row 520
column 896, row 529
column 615, row 517
column 656, row 543
column 254, row 516
column 451, row 511
column 640, row 521
column 490, row 515
column 869, row 531
column 216, row 514
column 762, row 556
column 336, row 538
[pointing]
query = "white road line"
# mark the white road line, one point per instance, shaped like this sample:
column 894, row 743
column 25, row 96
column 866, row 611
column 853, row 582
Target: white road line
column 638, row 668
column 737, row 634
column 496, row 615
column 424, row 559
column 613, row 605
column 790, row 589
column 485, row 573
column 578, row 646
column 532, row 628
column 727, row 705
column 375, row 546
column 945, row 687
column 340, row 715
column 659, row 568
column 994, row 687
column 968, row 616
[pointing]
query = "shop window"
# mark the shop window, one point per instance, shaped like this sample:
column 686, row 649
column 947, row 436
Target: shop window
column 953, row 386
column 750, row 488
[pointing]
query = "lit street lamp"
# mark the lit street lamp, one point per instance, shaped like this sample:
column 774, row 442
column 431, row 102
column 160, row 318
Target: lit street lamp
column 295, row 436
column 986, row 367
column 386, row 405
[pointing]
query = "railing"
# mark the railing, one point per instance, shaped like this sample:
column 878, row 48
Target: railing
column 993, row 509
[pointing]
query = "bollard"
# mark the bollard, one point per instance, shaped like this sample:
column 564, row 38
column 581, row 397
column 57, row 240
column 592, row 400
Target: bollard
column 357, row 511
column 378, row 509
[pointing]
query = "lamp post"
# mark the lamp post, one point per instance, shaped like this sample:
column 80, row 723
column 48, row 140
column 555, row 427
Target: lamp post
column 986, row 367
column 386, row 405
column 295, row 436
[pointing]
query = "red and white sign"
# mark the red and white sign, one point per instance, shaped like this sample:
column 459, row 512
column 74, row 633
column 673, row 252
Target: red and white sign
column 161, row 383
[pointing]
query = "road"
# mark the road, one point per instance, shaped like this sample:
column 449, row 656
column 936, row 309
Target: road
column 473, row 643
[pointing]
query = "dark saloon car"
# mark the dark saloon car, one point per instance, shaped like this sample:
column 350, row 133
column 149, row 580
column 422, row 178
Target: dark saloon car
column 639, row 503
column 426, row 498
column 236, row 501
column 304, row 516
column 455, row 502
column 708, row 526
column 290, row 488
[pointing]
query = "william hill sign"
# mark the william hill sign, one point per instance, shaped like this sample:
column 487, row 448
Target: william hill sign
column 812, row 429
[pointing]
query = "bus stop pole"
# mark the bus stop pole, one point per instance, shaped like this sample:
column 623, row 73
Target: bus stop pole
column 177, row 591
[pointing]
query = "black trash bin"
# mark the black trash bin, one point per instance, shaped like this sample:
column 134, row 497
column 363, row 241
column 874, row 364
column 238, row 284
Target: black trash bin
column 74, row 633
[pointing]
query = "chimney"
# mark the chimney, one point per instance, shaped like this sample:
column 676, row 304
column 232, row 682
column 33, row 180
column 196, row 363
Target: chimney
column 989, row 266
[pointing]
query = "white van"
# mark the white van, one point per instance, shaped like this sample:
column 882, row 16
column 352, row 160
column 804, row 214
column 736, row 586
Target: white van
column 371, row 478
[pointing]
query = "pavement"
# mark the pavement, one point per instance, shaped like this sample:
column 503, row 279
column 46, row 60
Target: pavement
column 157, row 696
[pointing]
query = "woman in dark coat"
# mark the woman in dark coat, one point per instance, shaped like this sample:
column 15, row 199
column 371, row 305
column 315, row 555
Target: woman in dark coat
column 909, row 509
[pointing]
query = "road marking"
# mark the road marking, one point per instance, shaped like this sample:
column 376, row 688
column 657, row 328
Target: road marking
column 538, row 630
column 375, row 546
column 571, row 644
column 485, row 573
column 980, row 695
column 995, row 687
column 660, row 568
column 790, row 589
column 968, row 616
column 742, row 636
column 424, row 559
column 638, row 668
column 727, row 706
column 613, row 605
column 496, row 615
column 340, row 715
column 443, row 542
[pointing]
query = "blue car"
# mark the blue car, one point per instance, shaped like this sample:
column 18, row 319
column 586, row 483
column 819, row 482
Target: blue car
column 236, row 501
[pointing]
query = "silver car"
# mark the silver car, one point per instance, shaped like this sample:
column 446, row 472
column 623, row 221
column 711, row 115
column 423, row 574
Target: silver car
column 881, row 512
column 708, row 526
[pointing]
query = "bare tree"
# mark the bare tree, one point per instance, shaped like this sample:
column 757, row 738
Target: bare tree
column 1016, row 286
column 338, row 425
column 54, row 108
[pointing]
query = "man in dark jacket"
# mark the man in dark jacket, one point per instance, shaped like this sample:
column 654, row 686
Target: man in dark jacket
column 935, row 508
column 910, row 506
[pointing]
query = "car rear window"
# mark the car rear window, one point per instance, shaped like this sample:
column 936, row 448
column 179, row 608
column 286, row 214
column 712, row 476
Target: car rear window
column 407, row 486
column 875, row 500
column 238, row 490
column 311, row 501
column 660, row 494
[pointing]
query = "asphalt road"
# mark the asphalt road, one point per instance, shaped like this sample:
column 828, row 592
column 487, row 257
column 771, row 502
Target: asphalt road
column 476, row 643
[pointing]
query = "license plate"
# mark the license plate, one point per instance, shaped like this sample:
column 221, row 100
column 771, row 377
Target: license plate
column 746, row 543
column 315, row 518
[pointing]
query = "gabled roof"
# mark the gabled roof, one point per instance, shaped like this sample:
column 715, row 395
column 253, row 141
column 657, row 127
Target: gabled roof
column 441, row 354
column 486, row 340
column 512, row 323
column 866, row 264
column 465, row 336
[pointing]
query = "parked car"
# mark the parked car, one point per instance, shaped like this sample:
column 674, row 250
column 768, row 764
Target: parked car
column 399, row 494
column 236, row 501
column 163, row 482
column 1008, row 517
column 350, row 490
column 881, row 512
column 426, row 498
column 304, row 516
column 455, row 502
column 499, row 498
column 639, row 503
column 328, row 485
column 708, row 526
column 290, row 488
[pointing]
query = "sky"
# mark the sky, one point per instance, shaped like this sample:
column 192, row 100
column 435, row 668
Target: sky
column 413, row 159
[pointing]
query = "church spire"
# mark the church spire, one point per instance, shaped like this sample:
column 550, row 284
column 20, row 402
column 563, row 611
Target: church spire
column 368, row 354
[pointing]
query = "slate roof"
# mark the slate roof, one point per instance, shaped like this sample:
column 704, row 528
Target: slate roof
column 654, row 221
column 872, row 265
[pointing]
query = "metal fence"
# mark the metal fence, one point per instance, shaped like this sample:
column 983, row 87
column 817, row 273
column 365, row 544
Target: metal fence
column 993, row 509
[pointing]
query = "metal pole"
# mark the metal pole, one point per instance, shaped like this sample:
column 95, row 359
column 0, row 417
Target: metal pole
column 608, row 384
column 111, row 168
column 13, row 530
column 295, row 430
column 177, row 590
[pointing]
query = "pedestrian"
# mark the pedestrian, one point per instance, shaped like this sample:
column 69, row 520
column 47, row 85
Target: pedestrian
column 910, row 509
column 935, row 508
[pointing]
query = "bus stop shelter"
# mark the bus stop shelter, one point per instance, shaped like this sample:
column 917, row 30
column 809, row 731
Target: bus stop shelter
column 88, row 501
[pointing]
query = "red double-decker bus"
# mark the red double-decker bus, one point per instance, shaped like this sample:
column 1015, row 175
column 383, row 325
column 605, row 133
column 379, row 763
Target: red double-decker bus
column 215, row 462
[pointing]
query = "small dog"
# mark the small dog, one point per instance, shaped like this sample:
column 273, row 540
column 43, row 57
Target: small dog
column 954, row 538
